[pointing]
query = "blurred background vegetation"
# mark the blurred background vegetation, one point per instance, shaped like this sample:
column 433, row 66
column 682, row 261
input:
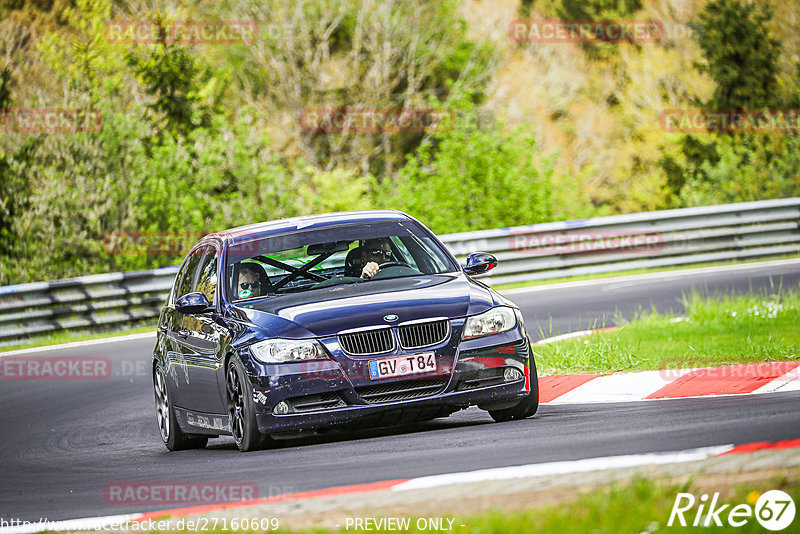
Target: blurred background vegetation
column 198, row 138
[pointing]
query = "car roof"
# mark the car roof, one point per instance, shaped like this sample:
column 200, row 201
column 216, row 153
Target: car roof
column 305, row 222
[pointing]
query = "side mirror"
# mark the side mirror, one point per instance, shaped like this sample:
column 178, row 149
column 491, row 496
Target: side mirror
column 479, row 262
column 193, row 303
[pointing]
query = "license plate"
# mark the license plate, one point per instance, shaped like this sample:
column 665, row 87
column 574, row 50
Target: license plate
column 412, row 364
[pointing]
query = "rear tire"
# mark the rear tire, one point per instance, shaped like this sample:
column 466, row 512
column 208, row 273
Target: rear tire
column 171, row 434
column 527, row 406
column 241, row 409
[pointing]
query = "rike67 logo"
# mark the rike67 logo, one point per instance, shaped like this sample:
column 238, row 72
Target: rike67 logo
column 774, row 510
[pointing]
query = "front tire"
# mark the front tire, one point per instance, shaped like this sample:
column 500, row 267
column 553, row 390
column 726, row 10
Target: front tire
column 241, row 409
column 527, row 406
column 171, row 434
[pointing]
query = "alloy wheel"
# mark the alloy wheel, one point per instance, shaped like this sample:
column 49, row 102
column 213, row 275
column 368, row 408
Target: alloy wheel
column 236, row 405
column 162, row 405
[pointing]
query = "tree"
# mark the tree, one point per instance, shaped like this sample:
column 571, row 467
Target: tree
column 14, row 182
column 741, row 57
column 356, row 54
column 184, row 94
column 471, row 174
column 741, row 54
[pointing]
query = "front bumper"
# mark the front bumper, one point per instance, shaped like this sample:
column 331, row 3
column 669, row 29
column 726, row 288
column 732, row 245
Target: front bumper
column 391, row 413
column 320, row 395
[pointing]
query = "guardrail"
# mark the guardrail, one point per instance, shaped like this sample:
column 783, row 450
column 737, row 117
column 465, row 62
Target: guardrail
column 84, row 303
column 750, row 230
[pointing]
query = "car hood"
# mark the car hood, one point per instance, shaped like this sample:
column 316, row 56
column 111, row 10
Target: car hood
column 326, row 312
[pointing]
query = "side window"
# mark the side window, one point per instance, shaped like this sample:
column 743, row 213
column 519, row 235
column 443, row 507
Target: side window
column 186, row 276
column 207, row 275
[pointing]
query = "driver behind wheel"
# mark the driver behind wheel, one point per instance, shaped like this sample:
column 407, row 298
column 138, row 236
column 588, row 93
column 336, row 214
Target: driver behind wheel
column 374, row 252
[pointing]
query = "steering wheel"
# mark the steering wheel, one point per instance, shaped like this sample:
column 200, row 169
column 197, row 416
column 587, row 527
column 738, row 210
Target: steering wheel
column 386, row 269
column 394, row 264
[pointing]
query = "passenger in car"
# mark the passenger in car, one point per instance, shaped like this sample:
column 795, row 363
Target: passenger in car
column 249, row 284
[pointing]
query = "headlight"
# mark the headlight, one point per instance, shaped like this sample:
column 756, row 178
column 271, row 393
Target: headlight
column 287, row 350
column 493, row 321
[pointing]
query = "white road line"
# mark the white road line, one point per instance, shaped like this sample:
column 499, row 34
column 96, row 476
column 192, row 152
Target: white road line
column 78, row 344
column 481, row 475
column 651, row 276
column 561, row 468
column 573, row 335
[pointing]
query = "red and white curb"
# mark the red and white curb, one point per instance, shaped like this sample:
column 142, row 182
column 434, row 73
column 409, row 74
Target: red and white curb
column 482, row 475
column 664, row 383
column 670, row 383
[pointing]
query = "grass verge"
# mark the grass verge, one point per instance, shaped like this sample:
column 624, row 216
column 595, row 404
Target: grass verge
column 70, row 337
column 722, row 330
column 641, row 506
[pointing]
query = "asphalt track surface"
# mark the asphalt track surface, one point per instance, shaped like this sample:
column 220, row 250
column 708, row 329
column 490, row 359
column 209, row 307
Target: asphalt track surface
column 62, row 442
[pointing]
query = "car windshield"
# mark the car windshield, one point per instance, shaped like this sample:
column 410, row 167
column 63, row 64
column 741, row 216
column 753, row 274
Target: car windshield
column 325, row 257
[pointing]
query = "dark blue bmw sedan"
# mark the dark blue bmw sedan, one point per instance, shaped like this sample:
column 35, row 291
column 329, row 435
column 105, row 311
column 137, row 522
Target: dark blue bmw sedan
column 333, row 321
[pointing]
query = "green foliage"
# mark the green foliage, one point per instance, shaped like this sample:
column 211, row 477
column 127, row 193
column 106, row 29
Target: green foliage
column 79, row 54
column 591, row 10
column 631, row 504
column 177, row 84
column 98, row 184
column 14, row 184
column 744, row 169
column 691, row 165
column 741, row 54
column 5, row 88
column 467, row 173
column 14, row 197
column 741, row 57
column 336, row 190
column 594, row 9
column 170, row 160
column 198, row 138
column 68, row 193
column 345, row 54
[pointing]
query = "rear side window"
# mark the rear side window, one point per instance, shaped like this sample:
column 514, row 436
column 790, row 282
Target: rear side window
column 198, row 262
column 207, row 275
